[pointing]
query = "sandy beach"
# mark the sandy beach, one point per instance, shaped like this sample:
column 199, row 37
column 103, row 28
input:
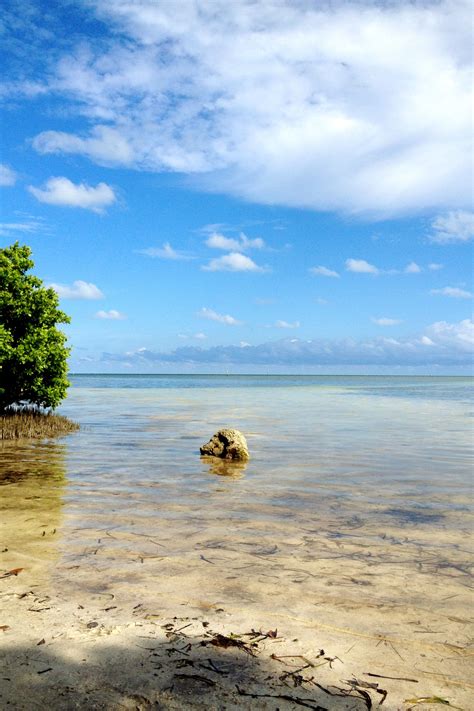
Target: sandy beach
column 328, row 572
column 214, row 623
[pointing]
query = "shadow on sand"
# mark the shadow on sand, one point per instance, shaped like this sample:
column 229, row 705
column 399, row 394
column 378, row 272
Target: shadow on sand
column 200, row 669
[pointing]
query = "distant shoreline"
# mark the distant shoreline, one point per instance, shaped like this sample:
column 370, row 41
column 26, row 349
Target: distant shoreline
column 272, row 375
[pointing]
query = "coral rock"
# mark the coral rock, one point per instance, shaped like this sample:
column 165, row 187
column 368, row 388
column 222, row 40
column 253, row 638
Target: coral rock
column 227, row 444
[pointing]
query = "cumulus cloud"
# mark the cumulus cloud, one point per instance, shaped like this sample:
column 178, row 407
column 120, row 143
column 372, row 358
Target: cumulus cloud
column 104, row 145
column 63, row 192
column 441, row 344
column 165, row 252
column 324, row 271
column 330, row 106
column 434, row 267
column 455, row 226
column 243, row 243
column 384, row 321
column 7, row 176
column 111, row 315
column 459, row 334
column 360, row 266
column 453, row 291
column 413, row 268
column 212, row 315
column 233, row 262
column 78, row 290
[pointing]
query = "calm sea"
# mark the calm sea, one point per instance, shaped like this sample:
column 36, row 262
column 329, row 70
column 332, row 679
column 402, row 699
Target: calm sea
column 361, row 458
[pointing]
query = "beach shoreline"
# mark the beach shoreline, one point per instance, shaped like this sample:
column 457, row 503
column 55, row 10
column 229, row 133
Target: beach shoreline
column 72, row 639
column 347, row 536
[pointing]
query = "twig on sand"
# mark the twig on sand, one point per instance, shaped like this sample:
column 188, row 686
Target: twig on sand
column 308, row 703
column 395, row 678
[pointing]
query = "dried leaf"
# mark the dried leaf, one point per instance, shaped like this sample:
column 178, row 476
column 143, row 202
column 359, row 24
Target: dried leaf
column 4, row 628
column 224, row 642
column 221, row 640
column 14, row 571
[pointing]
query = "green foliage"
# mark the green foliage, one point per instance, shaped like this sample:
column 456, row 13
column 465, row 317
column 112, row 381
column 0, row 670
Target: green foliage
column 33, row 354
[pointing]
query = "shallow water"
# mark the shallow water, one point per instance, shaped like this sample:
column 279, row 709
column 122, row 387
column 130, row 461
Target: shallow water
column 352, row 482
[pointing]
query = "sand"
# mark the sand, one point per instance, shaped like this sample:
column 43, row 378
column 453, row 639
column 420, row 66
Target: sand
column 117, row 620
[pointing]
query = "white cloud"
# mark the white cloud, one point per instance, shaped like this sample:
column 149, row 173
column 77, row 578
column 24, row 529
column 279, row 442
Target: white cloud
column 453, row 291
column 63, row 192
column 459, row 334
column 220, row 318
column 360, row 266
column 384, row 321
column 105, row 145
column 286, row 324
column 165, row 252
column 111, row 315
column 413, row 268
column 323, row 271
column 12, row 229
column 7, row 176
column 218, row 241
column 441, row 344
column 243, row 243
column 233, row 262
column 331, row 106
column 455, row 226
column 79, row 290
column 434, row 267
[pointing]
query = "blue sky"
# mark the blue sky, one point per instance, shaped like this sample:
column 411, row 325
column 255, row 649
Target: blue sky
column 269, row 186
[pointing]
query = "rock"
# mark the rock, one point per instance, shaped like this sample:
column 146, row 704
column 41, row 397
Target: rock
column 227, row 444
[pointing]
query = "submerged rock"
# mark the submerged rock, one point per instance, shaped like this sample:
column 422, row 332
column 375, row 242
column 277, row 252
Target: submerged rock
column 227, row 444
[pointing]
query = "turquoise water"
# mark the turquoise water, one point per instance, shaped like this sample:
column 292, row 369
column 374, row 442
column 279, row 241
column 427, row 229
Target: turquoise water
column 448, row 388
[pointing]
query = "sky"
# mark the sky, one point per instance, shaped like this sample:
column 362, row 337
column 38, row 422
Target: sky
column 267, row 186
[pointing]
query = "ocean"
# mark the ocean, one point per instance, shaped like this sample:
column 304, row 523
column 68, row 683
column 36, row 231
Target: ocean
column 349, row 457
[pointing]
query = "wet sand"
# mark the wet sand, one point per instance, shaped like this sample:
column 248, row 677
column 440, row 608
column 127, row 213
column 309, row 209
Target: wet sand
column 231, row 587
column 96, row 627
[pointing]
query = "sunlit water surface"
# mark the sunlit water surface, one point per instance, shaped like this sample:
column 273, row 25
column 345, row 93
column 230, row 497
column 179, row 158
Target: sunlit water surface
column 372, row 471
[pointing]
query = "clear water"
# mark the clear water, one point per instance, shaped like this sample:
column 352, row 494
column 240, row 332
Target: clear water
column 383, row 465
column 349, row 530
